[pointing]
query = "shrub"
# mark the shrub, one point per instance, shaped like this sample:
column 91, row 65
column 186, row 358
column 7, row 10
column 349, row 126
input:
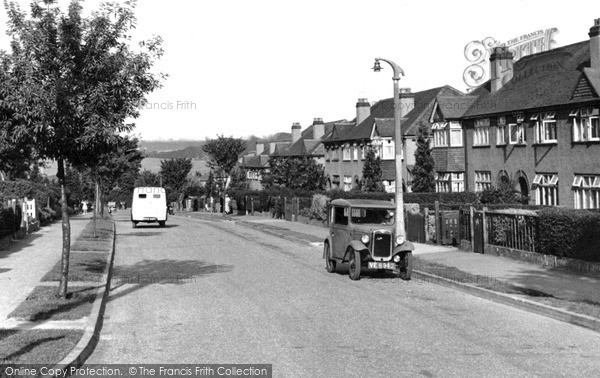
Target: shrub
column 570, row 233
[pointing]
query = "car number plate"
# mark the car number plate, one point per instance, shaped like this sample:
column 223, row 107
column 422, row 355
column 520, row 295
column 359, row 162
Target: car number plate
column 381, row 265
column 149, row 219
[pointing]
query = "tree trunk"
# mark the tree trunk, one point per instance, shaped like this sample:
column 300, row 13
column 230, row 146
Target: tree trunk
column 66, row 231
column 96, row 203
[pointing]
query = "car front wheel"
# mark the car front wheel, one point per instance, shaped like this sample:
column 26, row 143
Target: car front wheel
column 354, row 267
column 329, row 263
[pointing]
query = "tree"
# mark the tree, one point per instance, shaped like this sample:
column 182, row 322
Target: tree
column 174, row 173
column 238, row 179
column 423, row 171
column 147, row 178
column 294, row 173
column 72, row 82
column 372, row 173
column 210, row 186
column 223, row 154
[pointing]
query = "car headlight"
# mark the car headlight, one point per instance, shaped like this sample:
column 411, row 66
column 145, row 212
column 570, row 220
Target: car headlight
column 397, row 258
column 400, row 239
column 365, row 239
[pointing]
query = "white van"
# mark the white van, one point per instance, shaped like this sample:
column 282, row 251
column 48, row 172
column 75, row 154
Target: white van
column 149, row 205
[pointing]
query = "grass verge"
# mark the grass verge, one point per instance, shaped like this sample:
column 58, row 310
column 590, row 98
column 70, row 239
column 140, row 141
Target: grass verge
column 83, row 267
column 47, row 347
column 490, row 283
column 43, row 304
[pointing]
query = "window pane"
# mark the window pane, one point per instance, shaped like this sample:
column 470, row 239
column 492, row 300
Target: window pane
column 456, row 136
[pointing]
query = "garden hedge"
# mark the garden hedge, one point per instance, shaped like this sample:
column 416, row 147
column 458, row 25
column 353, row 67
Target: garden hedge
column 570, row 233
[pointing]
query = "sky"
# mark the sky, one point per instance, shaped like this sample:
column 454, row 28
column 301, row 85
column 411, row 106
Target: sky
column 243, row 68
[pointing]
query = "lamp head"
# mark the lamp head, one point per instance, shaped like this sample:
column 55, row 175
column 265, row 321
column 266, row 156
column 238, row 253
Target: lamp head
column 376, row 66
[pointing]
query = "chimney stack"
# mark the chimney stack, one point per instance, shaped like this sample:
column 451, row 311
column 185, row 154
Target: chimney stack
column 272, row 147
column 595, row 44
column 407, row 101
column 296, row 132
column 318, row 128
column 363, row 110
column 260, row 147
column 501, row 67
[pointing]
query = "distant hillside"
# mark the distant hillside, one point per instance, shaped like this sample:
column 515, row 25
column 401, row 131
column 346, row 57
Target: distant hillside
column 168, row 145
column 153, row 165
column 193, row 152
column 192, row 149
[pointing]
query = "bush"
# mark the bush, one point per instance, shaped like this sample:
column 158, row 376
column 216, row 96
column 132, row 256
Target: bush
column 570, row 233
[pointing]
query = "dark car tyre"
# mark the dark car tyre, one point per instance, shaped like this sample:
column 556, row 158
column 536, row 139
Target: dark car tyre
column 354, row 267
column 329, row 263
column 134, row 224
column 161, row 223
column 406, row 265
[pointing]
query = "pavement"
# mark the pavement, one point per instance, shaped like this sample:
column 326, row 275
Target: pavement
column 25, row 262
column 18, row 275
column 532, row 277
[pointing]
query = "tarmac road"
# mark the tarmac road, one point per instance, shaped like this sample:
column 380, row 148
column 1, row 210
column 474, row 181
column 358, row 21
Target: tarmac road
column 205, row 292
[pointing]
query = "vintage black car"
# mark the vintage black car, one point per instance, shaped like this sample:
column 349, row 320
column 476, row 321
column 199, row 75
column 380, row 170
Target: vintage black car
column 361, row 233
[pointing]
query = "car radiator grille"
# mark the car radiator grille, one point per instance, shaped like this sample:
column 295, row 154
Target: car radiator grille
column 382, row 245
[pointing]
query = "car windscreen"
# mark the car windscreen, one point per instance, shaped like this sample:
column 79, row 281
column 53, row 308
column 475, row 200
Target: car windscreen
column 372, row 216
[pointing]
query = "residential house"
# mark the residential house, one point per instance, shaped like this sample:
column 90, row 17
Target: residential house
column 304, row 143
column 257, row 163
column 536, row 123
column 374, row 128
column 447, row 141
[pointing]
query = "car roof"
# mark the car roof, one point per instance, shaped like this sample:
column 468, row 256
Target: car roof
column 364, row 203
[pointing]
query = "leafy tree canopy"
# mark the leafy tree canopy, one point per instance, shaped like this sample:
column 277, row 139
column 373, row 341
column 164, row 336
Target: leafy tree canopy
column 294, row 173
column 372, row 173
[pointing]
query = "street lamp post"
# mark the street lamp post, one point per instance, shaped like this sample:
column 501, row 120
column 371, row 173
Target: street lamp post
column 399, row 221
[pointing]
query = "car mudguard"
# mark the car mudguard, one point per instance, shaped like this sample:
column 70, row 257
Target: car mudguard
column 355, row 245
column 404, row 247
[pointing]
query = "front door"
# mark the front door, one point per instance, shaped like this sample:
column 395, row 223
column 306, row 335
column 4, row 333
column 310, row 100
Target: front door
column 340, row 233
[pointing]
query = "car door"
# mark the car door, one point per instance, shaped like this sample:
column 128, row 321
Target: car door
column 340, row 231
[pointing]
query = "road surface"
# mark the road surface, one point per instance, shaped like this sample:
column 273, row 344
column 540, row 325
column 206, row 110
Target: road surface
column 205, row 292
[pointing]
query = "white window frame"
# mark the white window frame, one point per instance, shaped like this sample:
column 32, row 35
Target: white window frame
column 440, row 134
column 456, row 134
column 501, row 135
column 546, row 189
column 586, row 125
column 586, row 191
column 442, row 182
column 457, row 182
column 481, row 135
column 520, row 134
column 545, row 128
column 355, row 152
column 346, row 156
column 483, row 180
column 388, row 151
column 347, row 183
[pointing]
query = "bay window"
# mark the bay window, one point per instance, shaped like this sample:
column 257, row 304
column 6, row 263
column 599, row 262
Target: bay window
column 586, row 191
column 483, row 180
column 546, row 189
